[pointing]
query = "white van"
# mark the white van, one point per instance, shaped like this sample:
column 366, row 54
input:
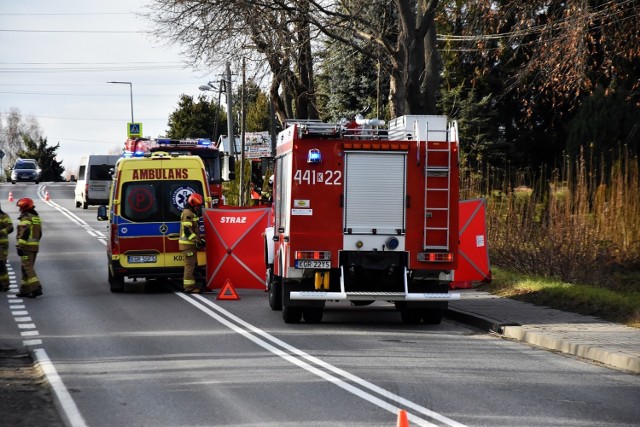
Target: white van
column 94, row 179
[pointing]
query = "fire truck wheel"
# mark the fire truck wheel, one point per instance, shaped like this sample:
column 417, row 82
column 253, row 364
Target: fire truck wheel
column 313, row 314
column 411, row 316
column 291, row 314
column 116, row 283
column 432, row 316
column 275, row 291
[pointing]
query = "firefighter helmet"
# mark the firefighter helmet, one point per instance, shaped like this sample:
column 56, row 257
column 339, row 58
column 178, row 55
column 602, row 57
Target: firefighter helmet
column 271, row 180
column 25, row 204
column 195, row 200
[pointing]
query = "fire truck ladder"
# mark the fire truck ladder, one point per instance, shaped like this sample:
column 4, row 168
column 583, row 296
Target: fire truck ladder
column 437, row 190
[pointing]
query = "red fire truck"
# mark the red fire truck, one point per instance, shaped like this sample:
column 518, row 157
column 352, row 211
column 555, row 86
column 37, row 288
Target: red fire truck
column 219, row 165
column 364, row 213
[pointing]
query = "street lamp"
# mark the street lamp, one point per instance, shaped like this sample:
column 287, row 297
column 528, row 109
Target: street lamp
column 210, row 88
column 130, row 93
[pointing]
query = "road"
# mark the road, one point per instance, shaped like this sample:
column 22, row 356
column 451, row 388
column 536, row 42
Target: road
column 153, row 356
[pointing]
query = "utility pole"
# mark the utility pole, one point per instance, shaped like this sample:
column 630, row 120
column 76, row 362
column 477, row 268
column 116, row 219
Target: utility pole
column 243, row 131
column 229, row 92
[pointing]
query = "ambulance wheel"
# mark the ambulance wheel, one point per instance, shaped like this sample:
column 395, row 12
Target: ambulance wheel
column 85, row 205
column 274, row 284
column 313, row 314
column 291, row 314
column 432, row 316
column 116, row 283
column 411, row 316
column 78, row 204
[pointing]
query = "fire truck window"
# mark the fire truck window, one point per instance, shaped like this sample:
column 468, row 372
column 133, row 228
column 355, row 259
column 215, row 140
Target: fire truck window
column 100, row 172
column 140, row 202
column 212, row 167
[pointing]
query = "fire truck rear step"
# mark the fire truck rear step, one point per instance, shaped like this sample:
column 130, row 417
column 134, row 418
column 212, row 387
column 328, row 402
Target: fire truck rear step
column 378, row 296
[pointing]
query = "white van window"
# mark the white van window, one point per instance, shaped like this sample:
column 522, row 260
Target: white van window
column 81, row 172
column 100, row 172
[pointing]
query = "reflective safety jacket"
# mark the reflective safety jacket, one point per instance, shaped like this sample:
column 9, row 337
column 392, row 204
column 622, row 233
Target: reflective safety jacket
column 29, row 231
column 6, row 227
column 189, row 229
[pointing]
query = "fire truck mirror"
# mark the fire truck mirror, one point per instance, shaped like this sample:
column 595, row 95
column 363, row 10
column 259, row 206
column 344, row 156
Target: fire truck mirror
column 228, row 167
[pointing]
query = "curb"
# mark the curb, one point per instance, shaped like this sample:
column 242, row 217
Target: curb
column 612, row 359
column 478, row 320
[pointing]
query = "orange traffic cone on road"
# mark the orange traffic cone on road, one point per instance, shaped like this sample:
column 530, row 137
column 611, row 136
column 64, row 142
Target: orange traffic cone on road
column 11, row 196
column 46, row 196
column 402, row 419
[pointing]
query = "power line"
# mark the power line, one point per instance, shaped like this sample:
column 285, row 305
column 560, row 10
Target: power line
column 76, row 31
column 80, row 94
column 65, row 14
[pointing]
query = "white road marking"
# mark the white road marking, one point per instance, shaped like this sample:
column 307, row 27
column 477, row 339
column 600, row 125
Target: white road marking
column 69, row 409
column 296, row 356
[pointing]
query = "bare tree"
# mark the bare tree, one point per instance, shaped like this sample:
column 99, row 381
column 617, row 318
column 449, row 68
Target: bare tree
column 214, row 32
column 402, row 34
column 555, row 51
column 13, row 129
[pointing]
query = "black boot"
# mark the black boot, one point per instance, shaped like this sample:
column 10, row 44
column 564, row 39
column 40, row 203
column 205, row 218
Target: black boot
column 36, row 293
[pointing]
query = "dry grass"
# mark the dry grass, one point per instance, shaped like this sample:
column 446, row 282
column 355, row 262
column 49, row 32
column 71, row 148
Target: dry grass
column 580, row 226
column 622, row 306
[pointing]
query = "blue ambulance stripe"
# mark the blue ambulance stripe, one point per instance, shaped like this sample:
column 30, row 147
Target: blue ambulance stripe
column 146, row 229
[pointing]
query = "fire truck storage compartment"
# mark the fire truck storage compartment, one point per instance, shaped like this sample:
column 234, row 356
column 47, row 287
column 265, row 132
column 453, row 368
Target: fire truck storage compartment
column 375, row 193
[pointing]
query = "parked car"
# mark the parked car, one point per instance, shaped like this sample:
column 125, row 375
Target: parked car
column 25, row 170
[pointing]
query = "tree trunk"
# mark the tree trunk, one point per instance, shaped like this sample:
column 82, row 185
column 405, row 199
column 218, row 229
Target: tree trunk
column 415, row 67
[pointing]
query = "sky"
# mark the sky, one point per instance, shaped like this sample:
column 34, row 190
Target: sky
column 56, row 58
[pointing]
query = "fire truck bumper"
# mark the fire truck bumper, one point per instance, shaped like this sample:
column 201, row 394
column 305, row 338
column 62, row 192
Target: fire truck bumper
column 368, row 296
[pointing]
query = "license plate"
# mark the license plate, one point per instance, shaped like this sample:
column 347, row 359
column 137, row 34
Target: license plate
column 313, row 264
column 142, row 259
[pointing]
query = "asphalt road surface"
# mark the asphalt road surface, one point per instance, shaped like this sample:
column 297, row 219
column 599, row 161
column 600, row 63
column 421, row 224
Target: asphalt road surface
column 153, row 356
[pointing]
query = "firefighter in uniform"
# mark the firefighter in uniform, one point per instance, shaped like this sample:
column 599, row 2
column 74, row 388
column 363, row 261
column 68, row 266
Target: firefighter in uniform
column 267, row 193
column 6, row 227
column 190, row 240
column 29, row 232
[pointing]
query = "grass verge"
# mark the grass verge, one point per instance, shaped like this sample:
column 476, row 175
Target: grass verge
column 620, row 306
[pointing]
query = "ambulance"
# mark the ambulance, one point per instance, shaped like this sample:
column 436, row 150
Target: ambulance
column 146, row 200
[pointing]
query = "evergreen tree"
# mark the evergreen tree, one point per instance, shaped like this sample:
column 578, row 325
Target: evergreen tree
column 196, row 119
column 258, row 113
column 603, row 124
column 347, row 83
column 52, row 169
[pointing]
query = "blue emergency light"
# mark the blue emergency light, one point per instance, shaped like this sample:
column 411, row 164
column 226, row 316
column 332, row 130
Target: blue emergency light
column 314, row 156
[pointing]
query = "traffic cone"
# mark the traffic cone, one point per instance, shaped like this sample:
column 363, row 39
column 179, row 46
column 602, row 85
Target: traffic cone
column 11, row 196
column 402, row 419
column 46, row 196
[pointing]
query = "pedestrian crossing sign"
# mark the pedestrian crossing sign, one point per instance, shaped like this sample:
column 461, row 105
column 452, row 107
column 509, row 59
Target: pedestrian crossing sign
column 134, row 130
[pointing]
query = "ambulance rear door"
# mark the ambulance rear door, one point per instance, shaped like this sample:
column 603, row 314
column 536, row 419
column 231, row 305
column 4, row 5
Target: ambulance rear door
column 151, row 201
